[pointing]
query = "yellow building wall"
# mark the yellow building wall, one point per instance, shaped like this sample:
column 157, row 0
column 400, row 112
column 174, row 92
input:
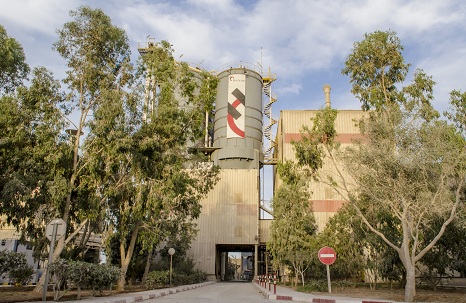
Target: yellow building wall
column 324, row 199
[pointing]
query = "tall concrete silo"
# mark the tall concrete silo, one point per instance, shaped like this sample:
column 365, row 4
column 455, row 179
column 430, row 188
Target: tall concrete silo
column 238, row 119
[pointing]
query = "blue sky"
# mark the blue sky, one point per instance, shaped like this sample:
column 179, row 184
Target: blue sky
column 303, row 42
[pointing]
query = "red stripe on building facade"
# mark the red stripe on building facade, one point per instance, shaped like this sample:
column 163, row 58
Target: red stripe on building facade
column 341, row 138
column 325, row 206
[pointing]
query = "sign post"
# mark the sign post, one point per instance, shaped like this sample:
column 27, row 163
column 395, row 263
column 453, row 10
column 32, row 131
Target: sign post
column 171, row 252
column 327, row 256
column 54, row 231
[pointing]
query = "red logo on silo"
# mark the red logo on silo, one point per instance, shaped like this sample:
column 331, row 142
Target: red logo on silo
column 235, row 115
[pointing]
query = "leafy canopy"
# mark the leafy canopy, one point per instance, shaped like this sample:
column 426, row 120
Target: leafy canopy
column 13, row 66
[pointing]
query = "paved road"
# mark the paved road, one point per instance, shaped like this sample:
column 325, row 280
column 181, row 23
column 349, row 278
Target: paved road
column 231, row 292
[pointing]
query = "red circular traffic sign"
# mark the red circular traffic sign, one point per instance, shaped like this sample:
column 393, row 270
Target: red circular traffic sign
column 327, row 255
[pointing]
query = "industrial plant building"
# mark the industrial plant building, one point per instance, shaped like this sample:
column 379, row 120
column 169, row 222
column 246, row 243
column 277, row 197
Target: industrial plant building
column 232, row 218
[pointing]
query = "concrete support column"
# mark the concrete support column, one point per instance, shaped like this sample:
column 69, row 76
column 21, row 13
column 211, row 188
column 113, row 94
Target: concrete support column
column 256, row 260
column 223, row 260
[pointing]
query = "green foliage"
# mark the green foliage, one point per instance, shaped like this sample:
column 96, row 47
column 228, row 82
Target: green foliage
column 343, row 233
column 130, row 167
column 457, row 111
column 15, row 266
column 294, row 225
column 184, row 271
column 375, row 66
column 21, row 274
column 141, row 162
column 447, row 255
column 102, row 276
column 97, row 55
column 13, row 67
column 58, row 272
column 185, row 279
column 5, row 257
column 308, row 150
column 79, row 273
column 157, row 279
column 293, row 229
column 82, row 275
column 32, row 153
column 409, row 168
column 135, row 166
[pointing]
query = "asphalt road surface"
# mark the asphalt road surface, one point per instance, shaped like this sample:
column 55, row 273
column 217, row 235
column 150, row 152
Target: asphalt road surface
column 225, row 292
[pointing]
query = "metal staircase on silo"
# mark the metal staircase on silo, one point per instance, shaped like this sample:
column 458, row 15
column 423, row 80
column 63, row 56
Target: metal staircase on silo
column 269, row 142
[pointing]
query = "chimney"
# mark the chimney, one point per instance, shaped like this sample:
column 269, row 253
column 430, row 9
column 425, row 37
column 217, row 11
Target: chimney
column 327, row 89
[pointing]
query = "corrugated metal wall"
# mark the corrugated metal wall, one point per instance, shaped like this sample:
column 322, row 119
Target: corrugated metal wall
column 264, row 230
column 325, row 200
column 229, row 216
column 230, row 211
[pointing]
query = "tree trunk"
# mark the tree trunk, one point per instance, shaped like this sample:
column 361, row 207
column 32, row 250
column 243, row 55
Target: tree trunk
column 126, row 256
column 122, row 279
column 410, row 288
column 66, row 214
column 146, row 269
column 302, row 277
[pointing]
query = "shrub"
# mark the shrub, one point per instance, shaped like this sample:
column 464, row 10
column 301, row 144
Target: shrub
column 66, row 274
column 59, row 274
column 4, row 262
column 21, row 274
column 103, row 276
column 15, row 265
column 157, row 278
column 180, row 279
column 79, row 274
column 198, row 277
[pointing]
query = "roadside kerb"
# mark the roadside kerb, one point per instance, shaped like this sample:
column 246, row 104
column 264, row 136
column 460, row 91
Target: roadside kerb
column 287, row 294
column 138, row 296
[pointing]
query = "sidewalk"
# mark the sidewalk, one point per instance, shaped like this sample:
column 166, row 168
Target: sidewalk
column 137, row 296
column 288, row 294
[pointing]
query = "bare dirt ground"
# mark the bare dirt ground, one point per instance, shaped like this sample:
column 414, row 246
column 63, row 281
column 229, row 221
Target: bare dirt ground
column 422, row 295
column 25, row 293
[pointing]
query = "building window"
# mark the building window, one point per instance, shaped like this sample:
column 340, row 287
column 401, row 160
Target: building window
column 3, row 242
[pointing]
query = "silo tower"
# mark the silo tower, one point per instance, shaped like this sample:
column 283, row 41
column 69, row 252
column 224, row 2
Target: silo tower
column 238, row 119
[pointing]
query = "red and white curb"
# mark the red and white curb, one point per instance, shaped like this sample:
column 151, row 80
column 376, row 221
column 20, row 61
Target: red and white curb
column 315, row 299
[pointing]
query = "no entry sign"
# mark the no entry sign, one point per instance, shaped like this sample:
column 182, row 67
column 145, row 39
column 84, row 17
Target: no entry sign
column 327, row 255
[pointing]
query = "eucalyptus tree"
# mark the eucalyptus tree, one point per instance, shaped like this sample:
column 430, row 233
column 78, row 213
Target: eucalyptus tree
column 98, row 60
column 457, row 110
column 32, row 151
column 410, row 163
column 143, row 167
column 293, row 229
column 13, row 66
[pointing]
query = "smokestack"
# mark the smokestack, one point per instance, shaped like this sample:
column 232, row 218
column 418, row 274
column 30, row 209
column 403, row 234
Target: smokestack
column 327, row 89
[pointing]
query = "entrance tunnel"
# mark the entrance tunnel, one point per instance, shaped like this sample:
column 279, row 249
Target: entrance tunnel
column 237, row 262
